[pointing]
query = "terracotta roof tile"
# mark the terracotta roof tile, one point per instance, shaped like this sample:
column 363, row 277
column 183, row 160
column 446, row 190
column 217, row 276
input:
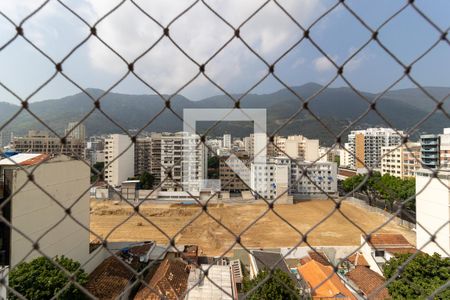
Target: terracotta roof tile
column 316, row 275
column 170, row 280
column 358, row 259
column 109, row 279
column 320, row 257
column 368, row 281
column 389, row 239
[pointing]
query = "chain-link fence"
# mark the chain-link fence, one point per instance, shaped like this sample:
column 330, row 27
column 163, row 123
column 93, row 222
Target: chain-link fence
column 138, row 277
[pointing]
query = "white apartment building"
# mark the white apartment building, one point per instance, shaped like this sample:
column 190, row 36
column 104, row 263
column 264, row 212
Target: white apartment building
column 401, row 161
column 186, row 158
column 270, row 179
column 279, row 174
column 76, row 131
column 433, row 211
column 313, row 179
column 227, row 141
column 297, row 147
column 366, row 146
column 119, row 159
column 327, row 154
column 345, row 157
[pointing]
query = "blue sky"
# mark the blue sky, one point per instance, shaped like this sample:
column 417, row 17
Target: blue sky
column 200, row 33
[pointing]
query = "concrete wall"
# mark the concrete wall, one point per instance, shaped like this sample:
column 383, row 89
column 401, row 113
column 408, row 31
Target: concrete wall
column 433, row 213
column 366, row 206
column 34, row 213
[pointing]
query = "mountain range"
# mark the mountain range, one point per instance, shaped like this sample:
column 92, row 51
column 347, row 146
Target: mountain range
column 335, row 108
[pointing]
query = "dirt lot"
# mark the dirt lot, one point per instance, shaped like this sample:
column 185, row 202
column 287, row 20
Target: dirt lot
column 117, row 223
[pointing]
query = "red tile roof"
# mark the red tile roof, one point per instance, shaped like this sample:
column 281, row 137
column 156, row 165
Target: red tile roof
column 389, row 240
column 320, row 257
column 368, row 282
column 169, row 280
column 358, row 259
column 324, row 281
column 109, row 279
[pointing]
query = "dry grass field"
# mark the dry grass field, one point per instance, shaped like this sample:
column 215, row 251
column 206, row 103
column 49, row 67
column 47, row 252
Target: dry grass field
column 118, row 223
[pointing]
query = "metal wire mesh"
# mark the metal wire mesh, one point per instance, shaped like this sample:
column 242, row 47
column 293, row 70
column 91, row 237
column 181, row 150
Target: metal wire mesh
column 238, row 100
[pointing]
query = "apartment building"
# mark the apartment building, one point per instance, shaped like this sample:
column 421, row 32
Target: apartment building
column 345, row 155
column 365, row 145
column 33, row 212
column 6, row 136
column 229, row 180
column 297, row 147
column 445, row 149
column 270, row 179
column 327, row 154
column 401, row 161
column 227, row 141
column 94, row 151
column 249, row 146
column 143, row 155
column 301, row 179
column 76, row 131
column 430, row 150
column 432, row 211
column 435, row 149
column 42, row 142
column 119, row 159
column 313, row 179
column 181, row 158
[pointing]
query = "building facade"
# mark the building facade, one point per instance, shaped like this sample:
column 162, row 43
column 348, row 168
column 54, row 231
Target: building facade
column 33, row 212
column 42, row 142
column 365, row 145
column 297, row 147
column 401, row 161
column 119, row 159
column 435, row 150
column 433, row 211
column 229, row 180
column 143, row 155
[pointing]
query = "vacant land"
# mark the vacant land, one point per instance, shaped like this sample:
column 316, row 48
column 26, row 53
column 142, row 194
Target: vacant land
column 258, row 229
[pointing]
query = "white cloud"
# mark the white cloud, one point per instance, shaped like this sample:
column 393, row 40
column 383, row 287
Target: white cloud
column 200, row 34
column 323, row 64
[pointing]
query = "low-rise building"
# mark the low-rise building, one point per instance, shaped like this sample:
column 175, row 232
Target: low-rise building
column 324, row 282
column 382, row 247
column 217, row 285
column 170, row 281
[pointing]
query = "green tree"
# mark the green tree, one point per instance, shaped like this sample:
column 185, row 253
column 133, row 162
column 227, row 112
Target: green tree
column 279, row 286
column 146, row 180
column 41, row 279
column 420, row 278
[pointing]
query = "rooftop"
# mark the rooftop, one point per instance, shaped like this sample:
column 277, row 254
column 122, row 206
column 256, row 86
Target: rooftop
column 169, row 280
column 24, row 159
column 204, row 288
column 368, row 282
column 389, row 240
column 324, row 282
column 109, row 279
column 357, row 259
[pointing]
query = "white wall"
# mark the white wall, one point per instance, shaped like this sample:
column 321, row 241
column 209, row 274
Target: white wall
column 433, row 211
column 33, row 212
column 123, row 167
